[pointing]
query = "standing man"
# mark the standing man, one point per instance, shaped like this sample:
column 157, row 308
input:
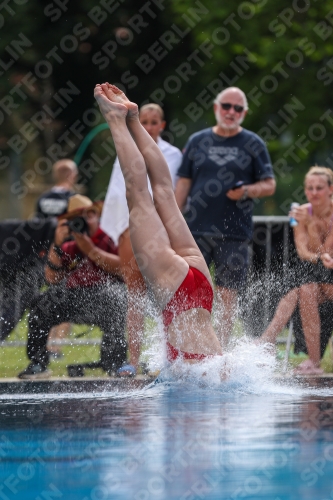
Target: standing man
column 223, row 169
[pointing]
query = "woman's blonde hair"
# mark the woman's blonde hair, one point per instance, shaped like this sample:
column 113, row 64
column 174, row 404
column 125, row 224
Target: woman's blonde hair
column 152, row 106
column 326, row 172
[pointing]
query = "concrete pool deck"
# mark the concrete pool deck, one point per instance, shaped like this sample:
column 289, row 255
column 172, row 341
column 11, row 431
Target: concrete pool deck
column 75, row 385
column 72, row 384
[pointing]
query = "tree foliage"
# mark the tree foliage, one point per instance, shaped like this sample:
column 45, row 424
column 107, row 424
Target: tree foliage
column 281, row 56
column 179, row 54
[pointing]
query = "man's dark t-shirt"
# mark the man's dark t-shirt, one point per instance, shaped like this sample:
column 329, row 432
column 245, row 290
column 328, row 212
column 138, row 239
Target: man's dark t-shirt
column 215, row 164
column 53, row 202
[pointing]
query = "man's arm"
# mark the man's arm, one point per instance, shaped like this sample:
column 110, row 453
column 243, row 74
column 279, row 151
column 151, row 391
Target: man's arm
column 183, row 187
column 260, row 189
column 54, row 270
column 301, row 237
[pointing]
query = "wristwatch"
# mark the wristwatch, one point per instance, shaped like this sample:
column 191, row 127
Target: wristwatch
column 53, row 266
column 245, row 195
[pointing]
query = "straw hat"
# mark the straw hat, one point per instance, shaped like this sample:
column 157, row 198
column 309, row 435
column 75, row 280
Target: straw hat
column 77, row 204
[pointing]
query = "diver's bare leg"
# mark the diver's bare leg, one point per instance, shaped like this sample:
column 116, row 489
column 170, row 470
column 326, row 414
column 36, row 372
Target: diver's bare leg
column 160, row 265
column 181, row 239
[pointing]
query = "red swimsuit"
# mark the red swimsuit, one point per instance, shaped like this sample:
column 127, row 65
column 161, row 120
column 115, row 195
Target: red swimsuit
column 195, row 291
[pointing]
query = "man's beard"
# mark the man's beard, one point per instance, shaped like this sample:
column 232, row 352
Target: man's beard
column 224, row 125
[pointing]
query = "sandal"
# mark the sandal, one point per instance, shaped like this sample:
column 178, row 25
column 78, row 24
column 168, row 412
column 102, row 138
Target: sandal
column 126, row 371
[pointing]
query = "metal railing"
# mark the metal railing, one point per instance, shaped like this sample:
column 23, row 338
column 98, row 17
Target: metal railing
column 272, row 224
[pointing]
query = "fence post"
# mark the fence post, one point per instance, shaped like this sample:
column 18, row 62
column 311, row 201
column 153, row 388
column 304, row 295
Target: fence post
column 267, row 270
column 1, row 310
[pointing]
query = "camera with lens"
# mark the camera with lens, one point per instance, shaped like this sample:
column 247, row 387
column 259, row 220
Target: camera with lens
column 78, row 225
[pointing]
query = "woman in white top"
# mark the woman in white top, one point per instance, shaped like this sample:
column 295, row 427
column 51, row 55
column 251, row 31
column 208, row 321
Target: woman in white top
column 115, row 222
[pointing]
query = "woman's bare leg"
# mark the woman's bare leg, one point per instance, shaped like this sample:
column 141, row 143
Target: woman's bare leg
column 326, row 292
column 311, row 296
column 308, row 304
column 283, row 313
column 181, row 239
column 158, row 262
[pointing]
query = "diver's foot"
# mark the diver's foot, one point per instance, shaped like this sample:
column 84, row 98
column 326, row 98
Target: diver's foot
column 308, row 367
column 110, row 109
column 117, row 95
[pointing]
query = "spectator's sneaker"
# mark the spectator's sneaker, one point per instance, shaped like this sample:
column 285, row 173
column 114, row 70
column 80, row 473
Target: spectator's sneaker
column 56, row 354
column 126, row 371
column 34, row 371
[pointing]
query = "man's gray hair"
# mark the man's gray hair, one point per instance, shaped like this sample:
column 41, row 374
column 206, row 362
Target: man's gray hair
column 218, row 97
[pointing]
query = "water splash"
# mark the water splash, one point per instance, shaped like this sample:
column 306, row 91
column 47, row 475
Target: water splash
column 246, row 368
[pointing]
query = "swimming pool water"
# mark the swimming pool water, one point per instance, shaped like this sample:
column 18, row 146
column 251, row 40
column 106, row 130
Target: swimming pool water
column 169, row 441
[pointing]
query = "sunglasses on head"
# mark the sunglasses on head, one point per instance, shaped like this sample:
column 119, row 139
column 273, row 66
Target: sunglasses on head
column 226, row 106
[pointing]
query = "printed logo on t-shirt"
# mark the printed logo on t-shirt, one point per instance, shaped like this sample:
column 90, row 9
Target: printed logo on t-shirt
column 222, row 155
column 52, row 206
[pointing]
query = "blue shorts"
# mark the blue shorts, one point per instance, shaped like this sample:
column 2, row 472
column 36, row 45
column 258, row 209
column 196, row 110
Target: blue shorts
column 230, row 258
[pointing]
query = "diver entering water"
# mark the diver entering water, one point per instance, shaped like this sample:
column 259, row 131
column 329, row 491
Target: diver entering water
column 167, row 255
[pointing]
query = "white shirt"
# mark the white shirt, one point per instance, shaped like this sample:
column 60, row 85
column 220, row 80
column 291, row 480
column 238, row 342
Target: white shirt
column 114, row 218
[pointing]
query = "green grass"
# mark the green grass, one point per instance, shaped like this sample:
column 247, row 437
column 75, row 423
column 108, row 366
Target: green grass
column 296, row 359
column 14, row 359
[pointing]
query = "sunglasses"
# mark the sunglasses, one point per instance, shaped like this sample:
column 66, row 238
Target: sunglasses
column 226, row 106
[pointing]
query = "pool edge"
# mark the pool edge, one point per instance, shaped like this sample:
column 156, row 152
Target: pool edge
column 75, row 385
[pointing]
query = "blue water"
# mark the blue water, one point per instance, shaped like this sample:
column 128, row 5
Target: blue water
column 172, row 440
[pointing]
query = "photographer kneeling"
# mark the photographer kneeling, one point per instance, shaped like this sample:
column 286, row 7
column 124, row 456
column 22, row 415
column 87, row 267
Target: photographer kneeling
column 85, row 287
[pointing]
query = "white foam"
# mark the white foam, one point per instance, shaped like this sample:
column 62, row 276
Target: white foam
column 246, row 368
